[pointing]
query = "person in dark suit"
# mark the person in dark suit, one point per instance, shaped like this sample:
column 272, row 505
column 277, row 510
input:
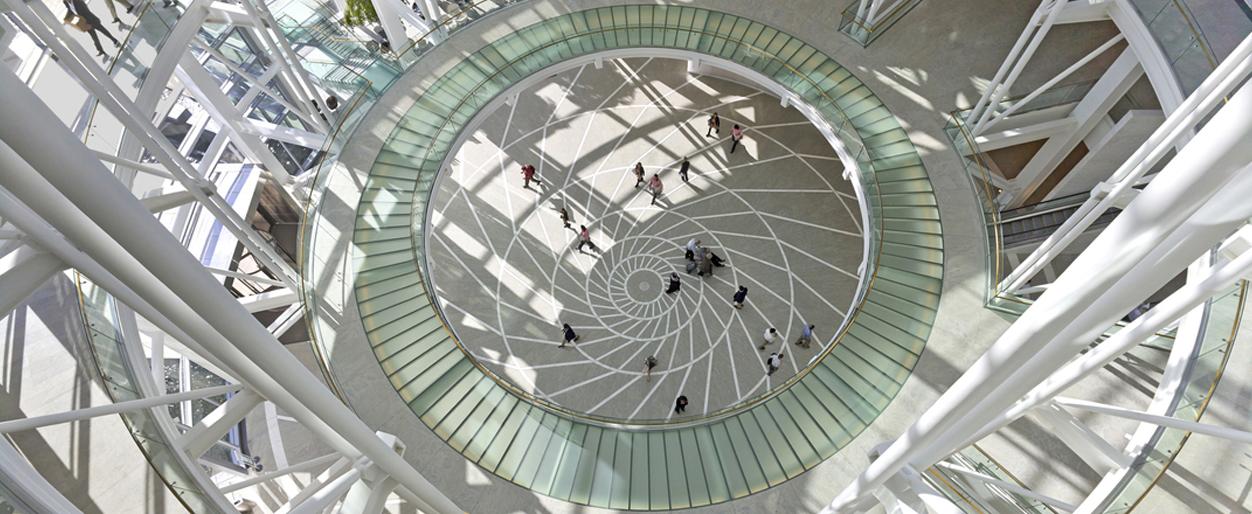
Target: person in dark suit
column 79, row 8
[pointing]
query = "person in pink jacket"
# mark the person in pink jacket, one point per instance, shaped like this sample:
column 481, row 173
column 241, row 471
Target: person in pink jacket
column 655, row 187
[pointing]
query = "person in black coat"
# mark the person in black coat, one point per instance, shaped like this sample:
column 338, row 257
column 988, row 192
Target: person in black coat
column 674, row 284
column 79, row 8
column 740, row 296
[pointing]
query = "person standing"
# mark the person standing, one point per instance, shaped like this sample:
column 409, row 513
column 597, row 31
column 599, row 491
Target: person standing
column 674, row 284
column 528, row 175
column 569, row 336
column 638, row 171
column 770, row 337
column 88, row 23
column 683, row 169
column 692, row 245
column 706, row 263
column 736, row 134
column 740, row 295
column 655, row 187
column 565, row 217
column 806, row 336
column 680, row 405
column 648, row 364
column 773, row 362
column 584, row 239
column 715, row 125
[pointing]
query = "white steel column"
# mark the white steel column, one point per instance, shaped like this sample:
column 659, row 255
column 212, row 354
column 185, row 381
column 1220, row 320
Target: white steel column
column 208, row 93
column 137, row 124
column 1091, row 448
column 32, row 490
column 1176, row 129
column 1238, row 436
column 308, row 465
column 301, row 84
column 1093, row 108
column 1091, row 294
column 1015, row 63
column 241, row 341
column 18, row 425
column 1163, row 314
column 22, row 272
column 210, row 430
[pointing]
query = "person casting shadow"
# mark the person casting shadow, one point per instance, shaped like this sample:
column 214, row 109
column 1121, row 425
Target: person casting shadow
column 80, row 17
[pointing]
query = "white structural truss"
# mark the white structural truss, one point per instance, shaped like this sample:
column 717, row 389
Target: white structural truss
column 1195, row 204
column 142, row 233
column 1003, row 117
column 132, row 213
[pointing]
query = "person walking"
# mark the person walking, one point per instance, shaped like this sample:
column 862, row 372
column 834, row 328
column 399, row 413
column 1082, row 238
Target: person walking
column 773, row 362
column 638, row 171
column 715, row 125
column 655, row 187
column 770, row 337
column 648, row 364
column 584, row 239
column 565, row 217
column 806, row 336
column 740, row 295
column 570, row 337
column 87, row 22
column 736, row 135
column 113, row 8
column 674, row 284
column 683, row 169
column 680, row 405
column 528, row 175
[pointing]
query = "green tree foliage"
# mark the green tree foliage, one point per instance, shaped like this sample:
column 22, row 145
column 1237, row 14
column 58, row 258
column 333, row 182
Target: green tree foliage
column 359, row 12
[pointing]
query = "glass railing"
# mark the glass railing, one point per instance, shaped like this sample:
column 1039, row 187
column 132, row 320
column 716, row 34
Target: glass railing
column 108, row 352
column 332, row 302
column 348, row 117
column 1181, row 39
column 979, row 173
column 864, row 31
column 1207, row 367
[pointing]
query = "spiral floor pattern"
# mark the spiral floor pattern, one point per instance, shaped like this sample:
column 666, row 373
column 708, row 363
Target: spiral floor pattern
column 778, row 210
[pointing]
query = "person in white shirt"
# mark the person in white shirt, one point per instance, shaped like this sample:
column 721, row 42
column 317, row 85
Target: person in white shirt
column 771, row 336
column 773, row 362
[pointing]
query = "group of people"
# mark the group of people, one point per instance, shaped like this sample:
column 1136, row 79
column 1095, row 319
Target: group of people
column 700, row 259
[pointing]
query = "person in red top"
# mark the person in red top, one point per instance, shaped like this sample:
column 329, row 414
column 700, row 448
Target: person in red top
column 655, row 187
column 528, row 174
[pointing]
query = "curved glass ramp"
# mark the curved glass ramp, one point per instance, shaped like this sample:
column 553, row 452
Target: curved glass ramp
column 597, row 462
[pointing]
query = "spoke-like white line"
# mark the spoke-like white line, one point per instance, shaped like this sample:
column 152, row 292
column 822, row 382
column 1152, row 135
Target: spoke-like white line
column 815, row 258
column 583, row 383
column 811, row 225
column 614, row 395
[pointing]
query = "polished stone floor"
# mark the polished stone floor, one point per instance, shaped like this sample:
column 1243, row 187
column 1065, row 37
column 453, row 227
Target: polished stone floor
column 508, row 274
